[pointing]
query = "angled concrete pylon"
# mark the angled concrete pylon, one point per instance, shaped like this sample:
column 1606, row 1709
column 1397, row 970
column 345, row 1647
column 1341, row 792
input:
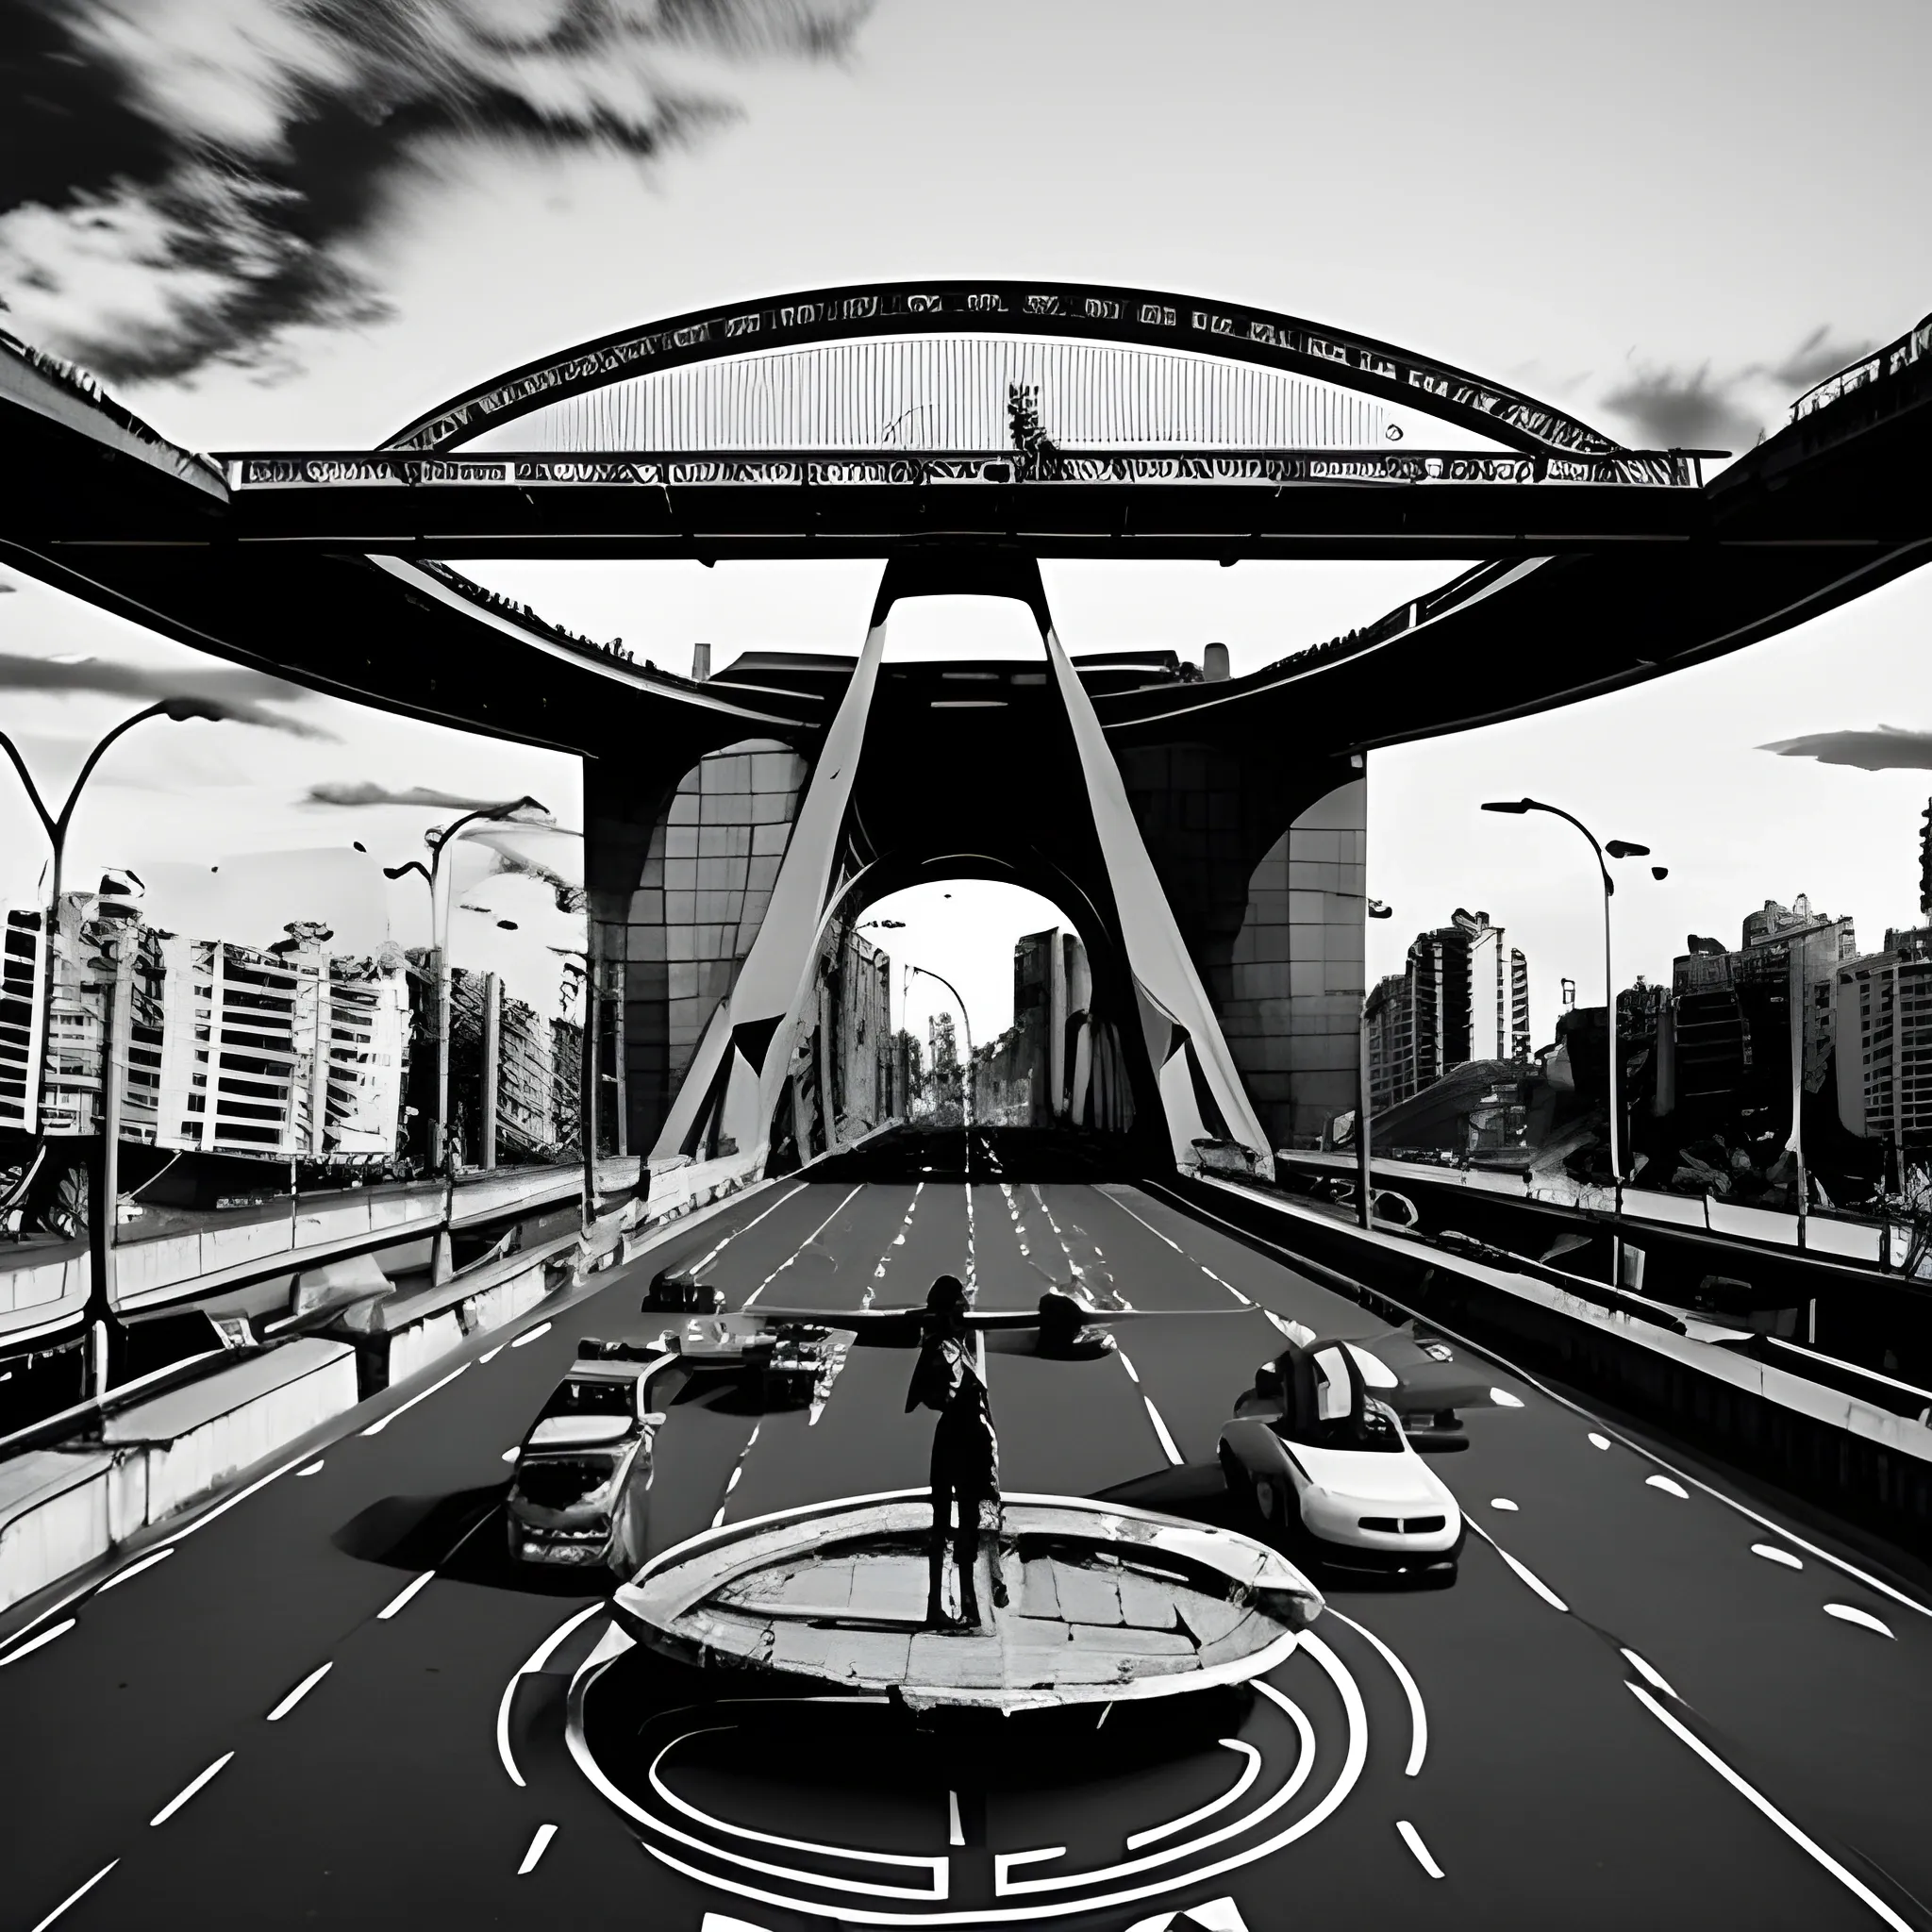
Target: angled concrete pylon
column 1184, row 1046
column 746, row 1049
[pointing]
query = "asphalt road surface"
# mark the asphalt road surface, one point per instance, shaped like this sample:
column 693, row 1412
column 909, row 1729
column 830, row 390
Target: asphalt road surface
column 330, row 1700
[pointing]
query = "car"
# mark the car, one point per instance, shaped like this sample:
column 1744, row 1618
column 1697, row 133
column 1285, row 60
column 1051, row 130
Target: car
column 676, row 1288
column 1326, row 1467
column 580, row 1495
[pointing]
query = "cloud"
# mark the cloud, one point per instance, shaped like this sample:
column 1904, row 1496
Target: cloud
column 1673, row 409
column 369, row 793
column 1817, row 356
column 567, row 894
column 239, row 694
column 1890, row 748
column 189, row 179
column 1679, row 408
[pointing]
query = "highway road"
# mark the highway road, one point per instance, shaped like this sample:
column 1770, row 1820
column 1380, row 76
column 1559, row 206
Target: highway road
column 329, row 1700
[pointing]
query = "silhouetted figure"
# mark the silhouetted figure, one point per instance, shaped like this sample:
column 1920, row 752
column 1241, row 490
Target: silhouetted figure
column 949, row 1377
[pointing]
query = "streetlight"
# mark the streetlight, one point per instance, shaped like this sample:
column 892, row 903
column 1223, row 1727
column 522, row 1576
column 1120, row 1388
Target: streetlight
column 1363, row 1165
column 101, row 1230
column 587, row 1081
column 438, row 839
column 1616, row 848
column 966, row 1084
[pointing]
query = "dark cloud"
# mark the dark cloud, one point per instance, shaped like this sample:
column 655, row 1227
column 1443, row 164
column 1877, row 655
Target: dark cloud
column 1890, row 748
column 182, row 182
column 1673, row 409
column 1817, row 356
column 569, row 896
column 368, row 792
column 239, row 694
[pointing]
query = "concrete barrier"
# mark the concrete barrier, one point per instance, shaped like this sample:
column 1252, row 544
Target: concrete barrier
column 53, row 1517
column 195, row 1438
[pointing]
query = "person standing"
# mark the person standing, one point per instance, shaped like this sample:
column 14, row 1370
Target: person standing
column 949, row 1376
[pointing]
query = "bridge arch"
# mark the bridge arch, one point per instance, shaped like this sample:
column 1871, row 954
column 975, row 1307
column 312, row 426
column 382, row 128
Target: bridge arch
column 1221, row 333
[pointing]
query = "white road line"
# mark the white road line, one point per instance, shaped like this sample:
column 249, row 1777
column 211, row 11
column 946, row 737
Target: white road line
column 1502, row 1503
column 1249, row 1772
column 1412, row 1838
column 299, row 1693
column 403, row 1596
column 511, row 1455
column 146, row 1562
column 1667, row 1487
column 1418, row 1717
column 773, row 1208
column 1179, row 1250
column 1847, row 1613
column 78, row 1892
column 1167, row 1443
column 531, row 1334
column 538, row 1658
column 1649, row 1675
column 1133, row 1373
column 34, row 1643
column 490, row 1355
column 953, row 1835
column 381, row 1422
column 1852, row 1884
column 1603, row 1441
column 1503, row 1399
column 311, row 1469
column 1777, row 1555
column 801, row 1248
column 537, row 1846
column 187, row 1792
column 1522, row 1569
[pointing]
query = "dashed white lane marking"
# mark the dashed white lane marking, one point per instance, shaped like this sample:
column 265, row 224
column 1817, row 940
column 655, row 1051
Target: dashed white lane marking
column 1500, row 1502
column 310, row 1468
column 1418, row 1717
column 381, row 1422
column 79, row 1891
column 698, row 1266
column 299, row 1693
column 1522, row 1570
column 1773, row 1554
column 403, row 1596
column 1503, row 1399
column 537, row 1846
column 147, row 1563
column 1412, row 1838
column 953, row 1835
column 1857, row 1887
column 1167, row 1443
column 1158, row 1236
column 1667, row 1487
column 1601, row 1441
column 800, row 1248
column 46, row 1636
column 188, row 1790
column 1849, row 1614
column 511, row 1454
column 531, row 1335
column 1649, row 1675
column 490, row 1355
column 1133, row 1373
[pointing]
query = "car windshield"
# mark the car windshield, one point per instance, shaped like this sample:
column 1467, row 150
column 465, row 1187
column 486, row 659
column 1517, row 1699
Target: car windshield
column 593, row 1397
column 558, row 1482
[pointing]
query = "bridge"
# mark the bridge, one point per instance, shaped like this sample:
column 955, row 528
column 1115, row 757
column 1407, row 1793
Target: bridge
column 1628, row 1605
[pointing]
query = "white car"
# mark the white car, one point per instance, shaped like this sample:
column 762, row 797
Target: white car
column 1324, row 1461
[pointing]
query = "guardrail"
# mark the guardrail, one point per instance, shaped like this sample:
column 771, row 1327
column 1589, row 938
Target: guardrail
column 1914, row 344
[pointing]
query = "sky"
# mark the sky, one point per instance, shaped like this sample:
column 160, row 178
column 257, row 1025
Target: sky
column 1668, row 220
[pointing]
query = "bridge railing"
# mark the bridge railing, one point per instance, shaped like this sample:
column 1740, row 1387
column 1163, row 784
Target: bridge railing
column 1910, row 348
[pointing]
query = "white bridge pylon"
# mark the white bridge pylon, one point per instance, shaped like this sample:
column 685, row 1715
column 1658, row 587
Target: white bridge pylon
column 747, row 1048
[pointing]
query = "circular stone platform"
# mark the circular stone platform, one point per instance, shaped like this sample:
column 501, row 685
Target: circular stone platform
column 1105, row 1603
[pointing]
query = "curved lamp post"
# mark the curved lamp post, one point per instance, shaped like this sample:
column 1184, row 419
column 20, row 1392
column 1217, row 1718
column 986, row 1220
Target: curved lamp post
column 100, row 1213
column 966, row 1084
column 1616, row 848
column 438, row 839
